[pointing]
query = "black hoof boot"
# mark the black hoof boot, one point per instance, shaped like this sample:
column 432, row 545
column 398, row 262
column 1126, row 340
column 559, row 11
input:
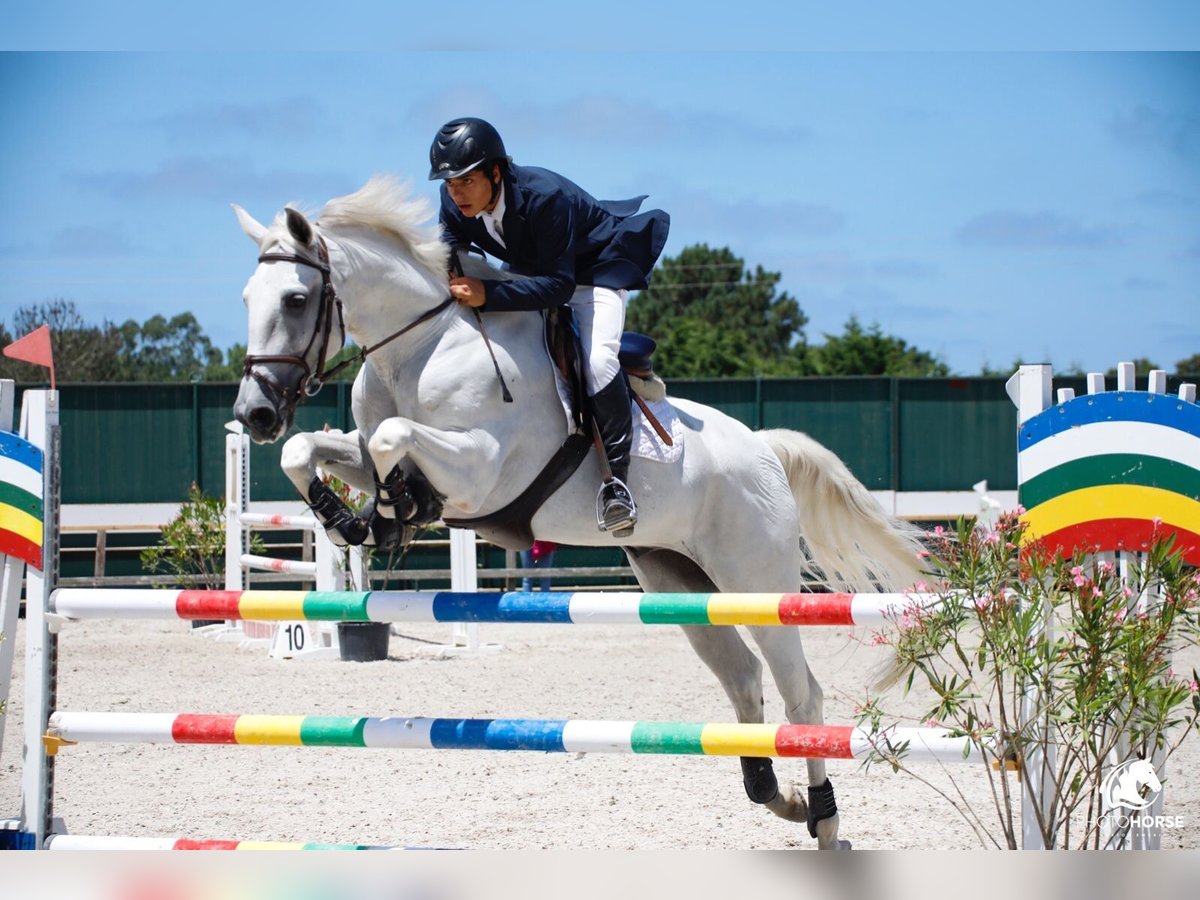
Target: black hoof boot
column 343, row 527
column 387, row 534
column 758, row 775
column 821, row 805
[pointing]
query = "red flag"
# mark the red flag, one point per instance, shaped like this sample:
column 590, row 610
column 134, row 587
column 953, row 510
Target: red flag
column 34, row 348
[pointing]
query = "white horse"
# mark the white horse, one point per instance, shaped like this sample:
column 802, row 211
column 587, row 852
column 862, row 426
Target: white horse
column 726, row 515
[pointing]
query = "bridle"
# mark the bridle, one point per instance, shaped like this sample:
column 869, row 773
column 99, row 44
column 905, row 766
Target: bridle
column 313, row 379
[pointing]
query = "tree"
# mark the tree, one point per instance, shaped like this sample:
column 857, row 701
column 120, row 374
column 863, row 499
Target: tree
column 704, row 305
column 870, row 352
column 1141, row 366
column 1189, row 368
column 82, row 352
column 161, row 349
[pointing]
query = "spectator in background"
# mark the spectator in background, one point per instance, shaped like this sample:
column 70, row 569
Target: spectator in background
column 539, row 556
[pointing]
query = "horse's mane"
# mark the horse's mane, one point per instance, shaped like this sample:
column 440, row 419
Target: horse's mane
column 385, row 204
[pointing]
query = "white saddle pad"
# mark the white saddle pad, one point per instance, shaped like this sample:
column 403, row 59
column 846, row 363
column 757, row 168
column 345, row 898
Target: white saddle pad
column 646, row 442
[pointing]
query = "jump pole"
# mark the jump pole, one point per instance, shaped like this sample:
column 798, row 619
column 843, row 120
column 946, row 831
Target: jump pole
column 538, row 735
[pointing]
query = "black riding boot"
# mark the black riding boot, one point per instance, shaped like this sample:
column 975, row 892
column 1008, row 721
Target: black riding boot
column 615, row 509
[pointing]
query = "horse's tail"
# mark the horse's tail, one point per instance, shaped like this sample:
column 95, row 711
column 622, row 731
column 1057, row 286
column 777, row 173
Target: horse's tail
column 853, row 544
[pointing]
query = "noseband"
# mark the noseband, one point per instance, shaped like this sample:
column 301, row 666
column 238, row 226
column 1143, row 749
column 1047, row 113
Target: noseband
column 313, row 380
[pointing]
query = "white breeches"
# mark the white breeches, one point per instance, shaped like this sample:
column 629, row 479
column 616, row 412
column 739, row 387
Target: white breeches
column 600, row 316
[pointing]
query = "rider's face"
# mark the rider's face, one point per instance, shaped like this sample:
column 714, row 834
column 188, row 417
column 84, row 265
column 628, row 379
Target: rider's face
column 471, row 193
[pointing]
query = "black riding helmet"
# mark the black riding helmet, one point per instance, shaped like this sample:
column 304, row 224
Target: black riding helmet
column 463, row 145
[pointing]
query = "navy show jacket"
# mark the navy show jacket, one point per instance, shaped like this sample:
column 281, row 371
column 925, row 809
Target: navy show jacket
column 559, row 236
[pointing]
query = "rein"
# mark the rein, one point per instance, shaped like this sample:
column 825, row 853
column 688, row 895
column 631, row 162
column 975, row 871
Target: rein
column 314, row 379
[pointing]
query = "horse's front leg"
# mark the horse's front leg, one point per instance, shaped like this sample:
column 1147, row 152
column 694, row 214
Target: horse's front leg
column 460, row 466
column 339, row 455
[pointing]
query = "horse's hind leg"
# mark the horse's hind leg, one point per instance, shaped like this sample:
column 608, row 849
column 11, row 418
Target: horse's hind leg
column 736, row 667
column 803, row 704
column 769, row 562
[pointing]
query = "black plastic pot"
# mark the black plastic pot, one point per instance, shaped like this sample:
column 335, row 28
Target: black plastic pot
column 363, row 641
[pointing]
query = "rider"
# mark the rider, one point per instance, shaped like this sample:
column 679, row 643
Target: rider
column 575, row 250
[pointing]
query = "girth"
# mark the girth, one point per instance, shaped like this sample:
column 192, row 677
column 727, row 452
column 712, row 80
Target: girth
column 509, row 527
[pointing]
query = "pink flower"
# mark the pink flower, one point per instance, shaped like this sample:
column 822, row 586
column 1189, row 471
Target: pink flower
column 1194, row 686
column 877, row 639
column 1106, row 566
column 933, row 723
column 921, row 587
column 1077, row 570
column 939, row 530
column 1080, row 581
column 983, row 602
column 923, row 554
column 1126, row 591
column 1120, row 615
column 1096, row 592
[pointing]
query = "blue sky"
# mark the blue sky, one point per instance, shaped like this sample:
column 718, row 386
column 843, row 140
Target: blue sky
column 983, row 204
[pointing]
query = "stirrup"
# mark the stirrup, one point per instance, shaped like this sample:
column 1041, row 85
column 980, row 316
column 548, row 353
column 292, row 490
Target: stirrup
column 615, row 509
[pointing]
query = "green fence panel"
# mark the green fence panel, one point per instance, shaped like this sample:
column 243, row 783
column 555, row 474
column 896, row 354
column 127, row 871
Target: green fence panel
column 850, row 416
column 736, row 397
column 127, row 443
column 954, row 432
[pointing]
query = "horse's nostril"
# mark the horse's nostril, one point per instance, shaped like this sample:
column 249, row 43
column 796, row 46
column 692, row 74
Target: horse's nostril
column 262, row 419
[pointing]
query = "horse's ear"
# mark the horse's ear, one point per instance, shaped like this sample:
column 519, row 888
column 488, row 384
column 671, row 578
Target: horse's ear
column 299, row 227
column 254, row 230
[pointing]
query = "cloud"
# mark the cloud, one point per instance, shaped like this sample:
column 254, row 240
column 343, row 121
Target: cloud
column 288, row 118
column 842, row 269
column 1191, row 252
column 200, row 177
column 1140, row 284
column 1178, row 133
column 1026, row 231
column 91, row 240
column 587, row 118
column 1164, row 199
column 902, row 268
column 705, row 213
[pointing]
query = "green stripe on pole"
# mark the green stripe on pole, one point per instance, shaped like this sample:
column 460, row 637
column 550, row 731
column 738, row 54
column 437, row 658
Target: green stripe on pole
column 332, row 731
column 339, row 606
column 1111, row 468
column 667, row 737
column 674, row 609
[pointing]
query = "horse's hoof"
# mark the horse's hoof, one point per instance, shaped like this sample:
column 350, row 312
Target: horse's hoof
column 789, row 804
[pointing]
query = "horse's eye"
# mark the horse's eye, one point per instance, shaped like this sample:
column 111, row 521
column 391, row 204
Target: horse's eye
column 295, row 301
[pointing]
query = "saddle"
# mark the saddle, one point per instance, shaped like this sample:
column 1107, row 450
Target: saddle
column 509, row 527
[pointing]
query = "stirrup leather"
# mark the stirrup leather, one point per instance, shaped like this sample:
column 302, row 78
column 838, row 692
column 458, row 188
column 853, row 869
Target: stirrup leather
column 615, row 509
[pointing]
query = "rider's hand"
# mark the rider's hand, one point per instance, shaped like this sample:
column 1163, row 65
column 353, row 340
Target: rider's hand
column 468, row 291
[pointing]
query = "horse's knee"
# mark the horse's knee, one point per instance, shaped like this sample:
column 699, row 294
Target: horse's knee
column 389, row 442
column 296, row 456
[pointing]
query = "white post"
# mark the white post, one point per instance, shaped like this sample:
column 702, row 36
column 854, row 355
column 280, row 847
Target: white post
column 237, row 489
column 10, row 591
column 463, row 577
column 1031, row 389
column 39, row 425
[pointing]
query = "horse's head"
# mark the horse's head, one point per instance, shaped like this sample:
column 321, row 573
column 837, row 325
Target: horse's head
column 295, row 322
